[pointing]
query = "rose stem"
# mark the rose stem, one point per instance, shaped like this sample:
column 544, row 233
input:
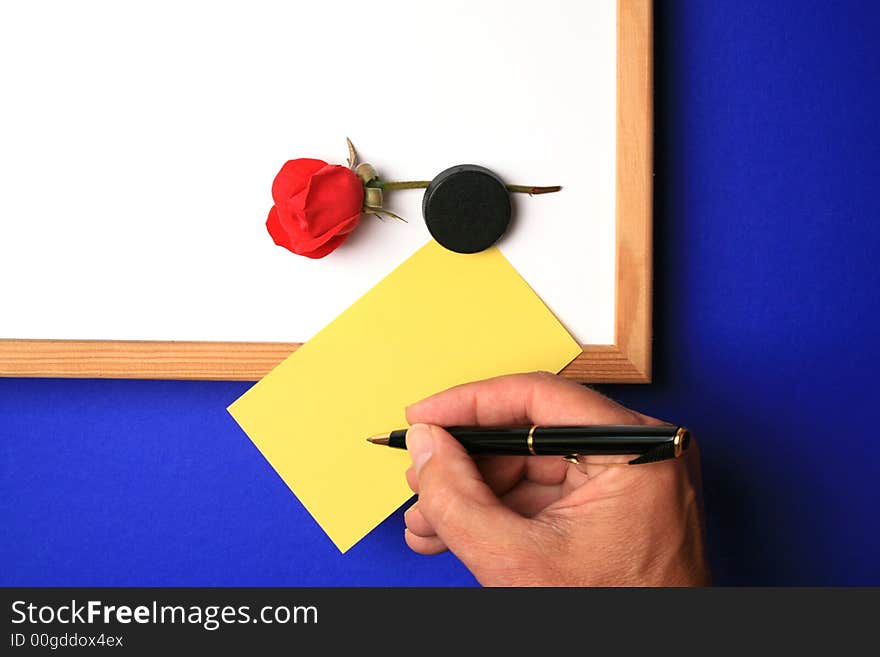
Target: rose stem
column 406, row 184
column 421, row 184
column 525, row 189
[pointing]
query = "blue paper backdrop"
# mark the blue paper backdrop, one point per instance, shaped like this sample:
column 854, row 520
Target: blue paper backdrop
column 767, row 239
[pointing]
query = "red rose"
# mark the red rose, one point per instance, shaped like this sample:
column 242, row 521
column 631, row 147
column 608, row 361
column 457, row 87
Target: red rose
column 316, row 206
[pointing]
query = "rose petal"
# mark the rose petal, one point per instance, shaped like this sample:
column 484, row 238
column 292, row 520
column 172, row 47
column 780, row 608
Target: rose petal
column 276, row 229
column 289, row 235
column 326, row 248
column 305, row 242
column 333, row 193
column 296, row 208
column 294, row 177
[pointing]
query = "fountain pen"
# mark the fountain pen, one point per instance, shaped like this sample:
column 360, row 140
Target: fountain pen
column 649, row 443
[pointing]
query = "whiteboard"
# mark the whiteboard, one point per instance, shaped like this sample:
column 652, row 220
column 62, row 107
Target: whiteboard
column 139, row 141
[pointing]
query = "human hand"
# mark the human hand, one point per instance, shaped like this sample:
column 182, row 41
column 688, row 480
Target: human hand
column 539, row 520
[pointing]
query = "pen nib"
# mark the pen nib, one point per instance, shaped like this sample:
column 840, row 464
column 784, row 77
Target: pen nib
column 378, row 440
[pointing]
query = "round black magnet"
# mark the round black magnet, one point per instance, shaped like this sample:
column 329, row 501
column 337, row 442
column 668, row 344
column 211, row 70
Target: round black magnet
column 466, row 208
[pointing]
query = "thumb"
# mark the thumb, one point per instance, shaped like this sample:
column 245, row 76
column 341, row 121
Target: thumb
column 455, row 500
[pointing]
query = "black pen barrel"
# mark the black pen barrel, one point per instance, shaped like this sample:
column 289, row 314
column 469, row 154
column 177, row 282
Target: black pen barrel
column 558, row 441
column 595, row 440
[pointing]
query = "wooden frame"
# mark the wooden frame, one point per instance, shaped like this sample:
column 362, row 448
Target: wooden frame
column 628, row 360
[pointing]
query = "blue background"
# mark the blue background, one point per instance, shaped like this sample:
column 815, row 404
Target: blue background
column 767, row 230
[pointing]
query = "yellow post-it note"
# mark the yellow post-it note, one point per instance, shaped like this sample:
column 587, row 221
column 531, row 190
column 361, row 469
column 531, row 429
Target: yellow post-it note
column 439, row 319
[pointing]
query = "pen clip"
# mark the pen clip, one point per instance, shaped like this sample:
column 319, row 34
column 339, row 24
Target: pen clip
column 659, row 453
column 581, row 460
column 651, row 456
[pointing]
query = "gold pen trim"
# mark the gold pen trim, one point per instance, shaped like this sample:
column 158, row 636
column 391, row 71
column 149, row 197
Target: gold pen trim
column 530, row 441
column 678, row 441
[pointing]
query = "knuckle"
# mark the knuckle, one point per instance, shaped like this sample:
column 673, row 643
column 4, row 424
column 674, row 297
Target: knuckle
column 411, row 516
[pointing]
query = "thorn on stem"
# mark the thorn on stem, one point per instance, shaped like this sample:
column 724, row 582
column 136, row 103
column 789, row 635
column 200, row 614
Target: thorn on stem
column 352, row 154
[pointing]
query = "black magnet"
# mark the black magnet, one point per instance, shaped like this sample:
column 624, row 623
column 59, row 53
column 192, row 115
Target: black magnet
column 466, row 208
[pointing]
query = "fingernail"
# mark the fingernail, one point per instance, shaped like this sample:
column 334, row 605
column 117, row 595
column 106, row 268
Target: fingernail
column 419, row 444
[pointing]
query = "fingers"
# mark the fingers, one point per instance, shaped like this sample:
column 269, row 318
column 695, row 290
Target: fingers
column 455, row 502
column 419, row 534
column 512, row 479
column 539, row 398
column 424, row 545
column 416, row 523
column 529, row 498
column 501, row 473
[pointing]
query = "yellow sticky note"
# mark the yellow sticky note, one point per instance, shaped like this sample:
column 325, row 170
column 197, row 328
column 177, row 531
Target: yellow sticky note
column 439, row 319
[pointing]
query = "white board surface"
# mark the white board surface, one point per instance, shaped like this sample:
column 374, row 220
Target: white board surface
column 139, row 141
